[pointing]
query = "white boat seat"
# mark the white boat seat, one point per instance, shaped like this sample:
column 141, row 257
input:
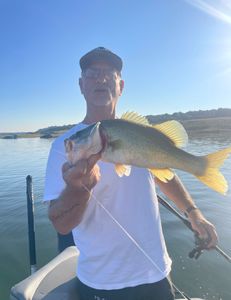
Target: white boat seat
column 56, row 280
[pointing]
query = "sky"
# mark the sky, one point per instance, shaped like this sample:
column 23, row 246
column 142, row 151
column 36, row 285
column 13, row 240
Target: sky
column 176, row 55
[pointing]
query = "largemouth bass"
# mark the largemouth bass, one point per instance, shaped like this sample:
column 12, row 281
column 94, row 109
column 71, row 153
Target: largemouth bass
column 132, row 140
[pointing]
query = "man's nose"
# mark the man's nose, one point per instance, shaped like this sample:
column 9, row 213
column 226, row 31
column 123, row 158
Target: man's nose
column 102, row 77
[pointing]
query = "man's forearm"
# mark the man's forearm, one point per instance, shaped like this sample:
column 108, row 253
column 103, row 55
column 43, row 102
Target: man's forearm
column 67, row 211
column 176, row 192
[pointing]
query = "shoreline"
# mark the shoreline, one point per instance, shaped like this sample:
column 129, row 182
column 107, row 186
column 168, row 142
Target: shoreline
column 209, row 127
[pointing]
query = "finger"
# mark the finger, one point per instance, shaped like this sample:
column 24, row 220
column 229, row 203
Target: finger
column 77, row 170
column 199, row 228
column 93, row 160
column 213, row 238
column 90, row 183
column 80, row 168
column 208, row 234
column 203, row 234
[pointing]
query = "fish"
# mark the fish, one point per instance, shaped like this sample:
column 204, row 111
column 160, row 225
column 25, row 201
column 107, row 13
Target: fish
column 133, row 141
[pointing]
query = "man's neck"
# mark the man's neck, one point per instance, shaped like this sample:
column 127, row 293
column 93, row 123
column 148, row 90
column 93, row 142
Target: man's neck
column 98, row 114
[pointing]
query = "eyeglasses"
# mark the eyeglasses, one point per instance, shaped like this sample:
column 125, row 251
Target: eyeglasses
column 94, row 73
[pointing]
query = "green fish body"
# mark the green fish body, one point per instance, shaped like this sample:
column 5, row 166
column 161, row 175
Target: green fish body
column 132, row 140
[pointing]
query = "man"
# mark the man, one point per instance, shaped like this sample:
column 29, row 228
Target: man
column 122, row 249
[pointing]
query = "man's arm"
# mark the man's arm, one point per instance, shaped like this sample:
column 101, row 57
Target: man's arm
column 67, row 211
column 176, row 192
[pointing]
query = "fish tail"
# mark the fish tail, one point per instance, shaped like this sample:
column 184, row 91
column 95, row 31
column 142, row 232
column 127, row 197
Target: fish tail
column 212, row 176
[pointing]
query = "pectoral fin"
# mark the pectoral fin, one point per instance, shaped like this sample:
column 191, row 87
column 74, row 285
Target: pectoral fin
column 164, row 175
column 122, row 170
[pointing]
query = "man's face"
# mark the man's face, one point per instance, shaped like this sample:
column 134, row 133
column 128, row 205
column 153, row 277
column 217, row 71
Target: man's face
column 101, row 85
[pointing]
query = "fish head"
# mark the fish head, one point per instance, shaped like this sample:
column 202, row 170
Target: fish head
column 83, row 143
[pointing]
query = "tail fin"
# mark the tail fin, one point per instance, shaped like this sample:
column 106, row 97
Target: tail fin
column 213, row 177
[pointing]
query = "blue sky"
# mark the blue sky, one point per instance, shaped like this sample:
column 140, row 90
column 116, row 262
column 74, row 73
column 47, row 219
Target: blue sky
column 176, row 53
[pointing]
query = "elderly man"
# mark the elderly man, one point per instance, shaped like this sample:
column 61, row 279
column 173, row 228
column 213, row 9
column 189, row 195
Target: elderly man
column 114, row 263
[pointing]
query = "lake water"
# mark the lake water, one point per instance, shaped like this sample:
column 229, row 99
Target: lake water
column 209, row 277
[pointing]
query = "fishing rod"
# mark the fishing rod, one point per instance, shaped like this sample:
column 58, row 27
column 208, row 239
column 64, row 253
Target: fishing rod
column 30, row 217
column 198, row 250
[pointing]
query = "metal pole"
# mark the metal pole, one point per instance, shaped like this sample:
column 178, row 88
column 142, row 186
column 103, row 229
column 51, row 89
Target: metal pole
column 31, row 231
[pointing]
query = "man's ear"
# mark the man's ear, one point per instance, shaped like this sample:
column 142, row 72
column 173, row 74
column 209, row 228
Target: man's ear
column 121, row 86
column 81, row 85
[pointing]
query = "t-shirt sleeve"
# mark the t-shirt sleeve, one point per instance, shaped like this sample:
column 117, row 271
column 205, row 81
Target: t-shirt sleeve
column 54, row 183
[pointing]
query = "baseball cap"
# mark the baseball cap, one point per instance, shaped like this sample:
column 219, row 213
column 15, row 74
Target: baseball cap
column 101, row 54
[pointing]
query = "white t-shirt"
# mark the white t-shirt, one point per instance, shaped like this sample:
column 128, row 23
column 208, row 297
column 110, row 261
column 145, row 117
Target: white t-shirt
column 109, row 259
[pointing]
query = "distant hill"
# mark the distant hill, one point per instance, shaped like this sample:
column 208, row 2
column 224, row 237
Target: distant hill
column 51, row 129
column 48, row 132
column 202, row 123
column 197, row 123
column 191, row 115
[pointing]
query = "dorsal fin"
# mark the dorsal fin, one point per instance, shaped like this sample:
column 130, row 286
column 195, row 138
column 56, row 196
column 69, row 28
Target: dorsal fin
column 134, row 117
column 174, row 131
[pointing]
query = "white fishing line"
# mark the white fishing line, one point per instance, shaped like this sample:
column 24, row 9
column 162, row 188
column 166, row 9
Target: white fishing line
column 131, row 238
column 127, row 233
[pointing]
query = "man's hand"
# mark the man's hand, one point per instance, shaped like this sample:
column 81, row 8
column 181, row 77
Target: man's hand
column 205, row 229
column 176, row 191
column 67, row 211
column 84, row 175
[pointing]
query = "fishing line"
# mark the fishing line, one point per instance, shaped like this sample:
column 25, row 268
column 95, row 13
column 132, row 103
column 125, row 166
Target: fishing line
column 132, row 239
column 127, row 234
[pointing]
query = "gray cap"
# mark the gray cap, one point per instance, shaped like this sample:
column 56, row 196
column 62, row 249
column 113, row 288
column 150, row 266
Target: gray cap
column 101, row 54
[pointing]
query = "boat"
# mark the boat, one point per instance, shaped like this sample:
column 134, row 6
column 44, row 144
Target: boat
column 51, row 282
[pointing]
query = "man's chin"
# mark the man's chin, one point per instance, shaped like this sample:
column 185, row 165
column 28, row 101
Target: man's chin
column 102, row 101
